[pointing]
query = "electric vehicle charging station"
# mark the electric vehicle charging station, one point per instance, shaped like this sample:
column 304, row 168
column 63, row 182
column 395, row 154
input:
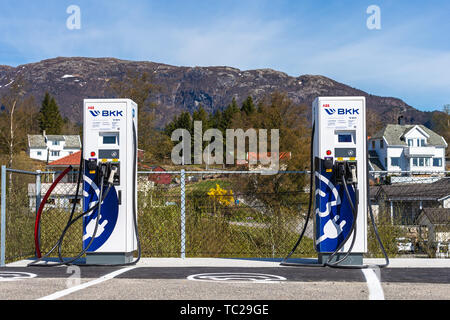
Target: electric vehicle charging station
column 340, row 162
column 110, row 156
column 339, row 185
column 108, row 173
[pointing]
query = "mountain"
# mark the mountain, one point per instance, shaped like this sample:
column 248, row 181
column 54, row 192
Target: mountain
column 70, row 80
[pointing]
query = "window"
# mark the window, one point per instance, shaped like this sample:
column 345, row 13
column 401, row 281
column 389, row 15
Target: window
column 72, row 177
column 39, row 153
column 410, row 142
column 421, row 162
column 422, row 143
column 395, row 161
column 55, row 153
column 381, row 144
column 437, row 162
column 55, row 142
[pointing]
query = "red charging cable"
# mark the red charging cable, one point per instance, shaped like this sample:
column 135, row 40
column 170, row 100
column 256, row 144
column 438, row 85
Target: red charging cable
column 41, row 207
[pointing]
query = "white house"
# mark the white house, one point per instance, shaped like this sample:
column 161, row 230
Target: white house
column 413, row 148
column 52, row 147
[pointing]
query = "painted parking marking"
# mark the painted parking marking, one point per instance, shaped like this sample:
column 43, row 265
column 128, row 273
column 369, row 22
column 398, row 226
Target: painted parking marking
column 62, row 293
column 373, row 283
column 236, row 277
column 15, row 276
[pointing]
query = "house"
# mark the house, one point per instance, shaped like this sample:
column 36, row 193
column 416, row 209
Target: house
column 64, row 194
column 60, row 165
column 157, row 178
column 52, row 147
column 400, row 147
column 437, row 222
column 263, row 160
column 402, row 203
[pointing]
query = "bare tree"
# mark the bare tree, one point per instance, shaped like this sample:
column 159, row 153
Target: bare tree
column 11, row 118
column 139, row 87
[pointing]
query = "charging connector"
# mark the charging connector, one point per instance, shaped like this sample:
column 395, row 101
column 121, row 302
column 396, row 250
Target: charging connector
column 112, row 173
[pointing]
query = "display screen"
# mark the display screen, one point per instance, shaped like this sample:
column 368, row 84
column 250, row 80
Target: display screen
column 344, row 138
column 109, row 139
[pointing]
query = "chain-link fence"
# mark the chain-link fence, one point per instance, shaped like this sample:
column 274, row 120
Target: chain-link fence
column 17, row 214
column 413, row 212
column 229, row 213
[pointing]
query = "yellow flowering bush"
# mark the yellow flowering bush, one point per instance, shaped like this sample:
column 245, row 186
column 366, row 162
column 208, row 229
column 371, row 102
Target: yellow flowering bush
column 221, row 195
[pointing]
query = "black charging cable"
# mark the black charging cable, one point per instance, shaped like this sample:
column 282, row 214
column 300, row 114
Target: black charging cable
column 71, row 221
column 102, row 197
column 336, row 264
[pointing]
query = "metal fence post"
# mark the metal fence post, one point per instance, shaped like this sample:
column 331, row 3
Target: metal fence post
column 3, row 218
column 38, row 198
column 183, row 215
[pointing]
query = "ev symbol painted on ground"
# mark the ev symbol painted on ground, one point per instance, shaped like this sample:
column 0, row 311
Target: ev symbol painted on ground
column 237, row 277
column 15, row 276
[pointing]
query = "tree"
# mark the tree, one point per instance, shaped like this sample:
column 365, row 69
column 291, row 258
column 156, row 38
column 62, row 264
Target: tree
column 18, row 116
column 441, row 124
column 201, row 115
column 140, row 87
column 182, row 121
column 50, row 119
column 373, row 122
column 228, row 115
column 248, row 106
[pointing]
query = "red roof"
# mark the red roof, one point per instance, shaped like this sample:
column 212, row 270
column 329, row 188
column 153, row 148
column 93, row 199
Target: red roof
column 267, row 156
column 72, row 159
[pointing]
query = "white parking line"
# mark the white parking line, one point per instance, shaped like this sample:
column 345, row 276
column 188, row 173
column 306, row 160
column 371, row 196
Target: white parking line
column 70, row 290
column 374, row 284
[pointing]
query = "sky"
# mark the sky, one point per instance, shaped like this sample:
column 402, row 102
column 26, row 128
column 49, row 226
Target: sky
column 406, row 56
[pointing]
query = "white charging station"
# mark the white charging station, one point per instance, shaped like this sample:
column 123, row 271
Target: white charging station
column 340, row 150
column 110, row 144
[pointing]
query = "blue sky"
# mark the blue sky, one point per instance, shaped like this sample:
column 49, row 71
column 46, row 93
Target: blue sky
column 408, row 58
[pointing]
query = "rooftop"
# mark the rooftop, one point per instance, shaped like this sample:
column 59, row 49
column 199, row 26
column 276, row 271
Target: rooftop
column 394, row 135
column 436, row 215
column 70, row 160
column 417, row 191
column 38, row 141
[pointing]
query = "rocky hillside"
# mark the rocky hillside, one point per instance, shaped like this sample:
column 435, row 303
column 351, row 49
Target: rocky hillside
column 70, row 80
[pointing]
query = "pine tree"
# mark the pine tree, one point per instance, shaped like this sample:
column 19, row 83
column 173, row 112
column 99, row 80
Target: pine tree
column 50, row 119
column 248, row 106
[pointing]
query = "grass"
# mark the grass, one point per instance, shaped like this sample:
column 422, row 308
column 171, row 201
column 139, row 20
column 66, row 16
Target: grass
column 212, row 230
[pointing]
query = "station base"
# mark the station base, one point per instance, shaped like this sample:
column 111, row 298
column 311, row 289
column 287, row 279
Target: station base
column 354, row 259
column 109, row 258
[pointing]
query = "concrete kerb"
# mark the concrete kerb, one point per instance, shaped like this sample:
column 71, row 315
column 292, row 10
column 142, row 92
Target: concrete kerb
column 256, row 262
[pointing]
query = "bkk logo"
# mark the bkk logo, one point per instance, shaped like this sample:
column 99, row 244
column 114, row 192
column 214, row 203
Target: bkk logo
column 343, row 111
column 107, row 113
